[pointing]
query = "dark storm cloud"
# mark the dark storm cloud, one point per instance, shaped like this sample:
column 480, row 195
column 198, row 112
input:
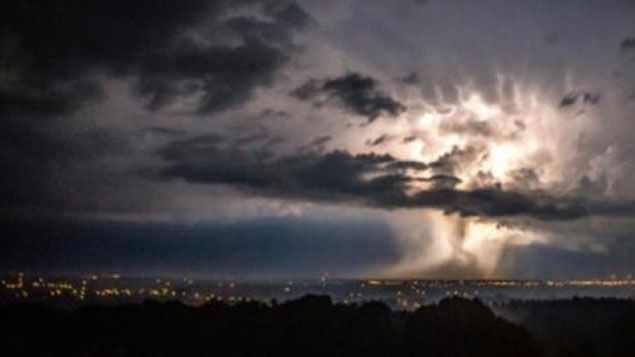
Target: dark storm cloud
column 568, row 100
column 525, row 178
column 495, row 202
column 450, row 161
column 331, row 176
column 250, row 130
column 441, row 181
column 380, row 140
column 409, row 139
column 317, row 143
column 45, row 101
column 224, row 76
column 52, row 144
column 370, row 179
column 572, row 98
column 408, row 165
column 354, row 92
column 55, row 55
column 52, row 48
column 272, row 113
column 45, row 165
column 628, row 44
column 74, row 141
column 289, row 14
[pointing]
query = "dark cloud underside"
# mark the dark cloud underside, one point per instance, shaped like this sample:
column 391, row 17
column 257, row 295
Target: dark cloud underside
column 56, row 54
column 378, row 180
column 518, row 115
column 354, row 92
column 53, row 48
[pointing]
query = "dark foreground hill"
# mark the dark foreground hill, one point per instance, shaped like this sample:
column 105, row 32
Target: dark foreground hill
column 578, row 326
column 310, row 326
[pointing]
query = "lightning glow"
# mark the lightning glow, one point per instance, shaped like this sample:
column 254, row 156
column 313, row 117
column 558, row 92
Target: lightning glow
column 509, row 143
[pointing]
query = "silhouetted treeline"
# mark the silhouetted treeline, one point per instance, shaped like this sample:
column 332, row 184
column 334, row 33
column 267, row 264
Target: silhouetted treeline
column 314, row 326
column 579, row 326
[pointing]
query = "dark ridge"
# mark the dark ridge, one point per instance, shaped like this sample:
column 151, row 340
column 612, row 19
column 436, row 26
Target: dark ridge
column 315, row 326
column 312, row 325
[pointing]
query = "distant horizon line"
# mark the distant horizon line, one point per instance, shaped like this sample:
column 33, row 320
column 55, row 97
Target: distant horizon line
column 282, row 279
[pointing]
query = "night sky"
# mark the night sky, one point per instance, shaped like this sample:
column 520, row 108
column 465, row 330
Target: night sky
column 360, row 138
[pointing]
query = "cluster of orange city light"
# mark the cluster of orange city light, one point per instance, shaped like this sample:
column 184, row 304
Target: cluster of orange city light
column 406, row 294
column 110, row 286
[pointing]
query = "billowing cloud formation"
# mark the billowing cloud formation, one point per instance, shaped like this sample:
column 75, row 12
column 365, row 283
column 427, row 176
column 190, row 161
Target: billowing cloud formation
column 373, row 179
column 172, row 49
column 188, row 56
column 356, row 94
column 469, row 127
